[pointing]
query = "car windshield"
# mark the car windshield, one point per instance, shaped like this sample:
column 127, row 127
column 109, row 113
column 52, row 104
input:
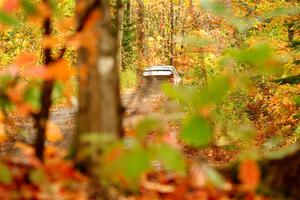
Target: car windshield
column 157, row 73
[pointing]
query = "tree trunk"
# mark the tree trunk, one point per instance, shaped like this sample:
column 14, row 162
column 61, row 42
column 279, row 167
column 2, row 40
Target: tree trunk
column 141, row 29
column 120, row 15
column 172, row 29
column 46, row 101
column 100, row 109
column 129, row 11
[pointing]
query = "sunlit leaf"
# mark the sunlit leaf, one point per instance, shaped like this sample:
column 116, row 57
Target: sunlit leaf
column 196, row 132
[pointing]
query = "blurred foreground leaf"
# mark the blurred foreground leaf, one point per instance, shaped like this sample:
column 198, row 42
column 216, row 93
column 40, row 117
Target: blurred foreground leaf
column 5, row 175
column 196, row 132
column 8, row 20
column 281, row 153
column 171, row 158
column 215, row 177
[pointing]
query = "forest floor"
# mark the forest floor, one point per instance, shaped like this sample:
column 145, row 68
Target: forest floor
column 136, row 108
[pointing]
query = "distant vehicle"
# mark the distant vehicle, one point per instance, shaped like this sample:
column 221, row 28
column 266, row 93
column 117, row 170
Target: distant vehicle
column 154, row 76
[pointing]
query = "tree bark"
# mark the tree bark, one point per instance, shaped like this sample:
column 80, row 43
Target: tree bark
column 172, row 29
column 100, row 109
column 119, row 25
column 46, row 101
column 141, row 29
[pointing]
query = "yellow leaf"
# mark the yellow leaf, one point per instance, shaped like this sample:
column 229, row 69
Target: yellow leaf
column 53, row 132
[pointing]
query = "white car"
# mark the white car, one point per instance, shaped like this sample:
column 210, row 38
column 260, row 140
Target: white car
column 156, row 75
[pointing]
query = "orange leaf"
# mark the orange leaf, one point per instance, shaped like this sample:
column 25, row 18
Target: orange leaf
column 53, row 132
column 11, row 5
column 35, row 72
column 67, row 24
column 60, row 70
column 49, row 42
column 249, row 175
column 1, row 117
column 24, row 109
column 2, row 132
column 92, row 20
column 25, row 148
column 15, row 94
column 44, row 10
column 26, row 59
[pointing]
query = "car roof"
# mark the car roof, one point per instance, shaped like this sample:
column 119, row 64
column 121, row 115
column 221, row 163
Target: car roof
column 159, row 67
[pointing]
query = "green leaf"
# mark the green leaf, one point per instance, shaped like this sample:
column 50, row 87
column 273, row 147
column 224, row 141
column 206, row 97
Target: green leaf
column 8, row 20
column 28, row 7
column 193, row 41
column 215, row 177
column 133, row 163
column 171, row 158
column 37, row 176
column 183, row 94
column 196, row 132
column 215, row 7
column 215, row 92
column 58, row 89
column 281, row 153
column 147, row 125
column 297, row 101
column 283, row 11
column 32, row 96
column 5, row 175
column 297, row 131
